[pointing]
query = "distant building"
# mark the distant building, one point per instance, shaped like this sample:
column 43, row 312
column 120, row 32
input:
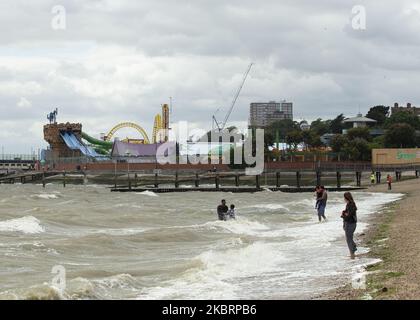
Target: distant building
column 262, row 114
column 409, row 108
column 360, row 121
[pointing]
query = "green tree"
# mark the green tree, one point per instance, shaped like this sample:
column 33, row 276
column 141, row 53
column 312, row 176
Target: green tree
column 359, row 150
column 338, row 142
column 352, row 147
column 313, row 140
column 319, row 126
column 378, row 113
column 362, row 133
column 282, row 127
column 400, row 135
column 269, row 139
column 279, row 129
column 294, row 138
column 378, row 142
column 337, row 125
column 403, row 117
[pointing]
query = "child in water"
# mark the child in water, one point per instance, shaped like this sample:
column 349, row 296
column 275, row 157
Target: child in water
column 231, row 212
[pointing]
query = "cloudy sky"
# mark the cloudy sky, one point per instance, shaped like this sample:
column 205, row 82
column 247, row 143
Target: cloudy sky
column 119, row 60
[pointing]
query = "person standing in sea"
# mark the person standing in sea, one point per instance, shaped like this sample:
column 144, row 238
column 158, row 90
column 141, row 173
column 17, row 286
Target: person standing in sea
column 321, row 202
column 350, row 222
column 222, row 210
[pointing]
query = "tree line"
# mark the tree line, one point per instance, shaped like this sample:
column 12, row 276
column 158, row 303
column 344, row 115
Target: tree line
column 399, row 132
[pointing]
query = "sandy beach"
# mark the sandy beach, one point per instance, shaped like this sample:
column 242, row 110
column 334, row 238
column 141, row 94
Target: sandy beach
column 393, row 237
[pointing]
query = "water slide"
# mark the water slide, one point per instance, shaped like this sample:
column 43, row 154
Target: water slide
column 100, row 146
column 103, row 144
column 73, row 143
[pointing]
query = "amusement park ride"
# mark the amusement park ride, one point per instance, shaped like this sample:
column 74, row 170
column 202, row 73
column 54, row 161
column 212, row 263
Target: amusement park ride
column 68, row 139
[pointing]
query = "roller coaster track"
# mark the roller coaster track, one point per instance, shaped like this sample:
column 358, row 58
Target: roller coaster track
column 127, row 125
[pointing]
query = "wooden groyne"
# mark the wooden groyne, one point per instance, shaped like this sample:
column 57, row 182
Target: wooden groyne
column 337, row 176
column 28, row 177
column 230, row 189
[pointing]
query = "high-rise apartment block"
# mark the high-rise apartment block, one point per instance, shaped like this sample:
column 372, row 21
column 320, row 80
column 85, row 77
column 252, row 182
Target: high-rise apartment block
column 262, row 114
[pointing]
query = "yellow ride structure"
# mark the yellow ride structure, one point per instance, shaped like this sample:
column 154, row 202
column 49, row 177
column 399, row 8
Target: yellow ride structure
column 119, row 126
column 161, row 126
column 160, row 129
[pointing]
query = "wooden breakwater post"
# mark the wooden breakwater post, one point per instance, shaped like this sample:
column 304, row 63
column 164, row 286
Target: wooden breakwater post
column 358, row 178
column 197, row 180
column 156, row 180
column 217, row 182
column 278, row 179
column 43, row 179
column 417, row 174
column 318, row 178
column 298, row 178
column 129, row 181
column 135, row 180
column 23, row 180
column 237, row 180
column 64, row 178
column 85, row 181
column 257, row 181
column 176, row 180
column 338, row 179
column 378, row 177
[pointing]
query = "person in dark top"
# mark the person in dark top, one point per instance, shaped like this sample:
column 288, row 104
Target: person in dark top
column 349, row 222
column 222, row 209
column 321, row 202
column 318, row 196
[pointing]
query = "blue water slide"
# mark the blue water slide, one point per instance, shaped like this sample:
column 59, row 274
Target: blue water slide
column 75, row 144
column 68, row 141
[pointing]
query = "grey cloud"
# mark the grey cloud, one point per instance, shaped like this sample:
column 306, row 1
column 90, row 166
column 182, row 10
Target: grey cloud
column 119, row 60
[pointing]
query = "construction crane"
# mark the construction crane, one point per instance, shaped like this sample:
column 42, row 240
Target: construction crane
column 222, row 125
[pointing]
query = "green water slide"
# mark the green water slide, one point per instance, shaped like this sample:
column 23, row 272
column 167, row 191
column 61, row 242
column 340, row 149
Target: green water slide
column 100, row 146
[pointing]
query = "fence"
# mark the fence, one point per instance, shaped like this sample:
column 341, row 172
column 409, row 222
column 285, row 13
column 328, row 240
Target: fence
column 17, row 157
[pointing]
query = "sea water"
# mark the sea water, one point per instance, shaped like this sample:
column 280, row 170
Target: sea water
column 171, row 246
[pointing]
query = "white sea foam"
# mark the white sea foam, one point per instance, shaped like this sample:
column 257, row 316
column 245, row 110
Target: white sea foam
column 121, row 231
column 239, row 226
column 218, row 274
column 270, row 206
column 27, row 224
column 45, row 196
column 148, row 193
column 82, row 288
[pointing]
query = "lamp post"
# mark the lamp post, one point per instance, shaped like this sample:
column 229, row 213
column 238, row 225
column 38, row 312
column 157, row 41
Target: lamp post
column 128, row 169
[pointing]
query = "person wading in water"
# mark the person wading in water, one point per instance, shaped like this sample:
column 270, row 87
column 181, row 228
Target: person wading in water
column 349, row 222
column 222, row 209
column 321, row 202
